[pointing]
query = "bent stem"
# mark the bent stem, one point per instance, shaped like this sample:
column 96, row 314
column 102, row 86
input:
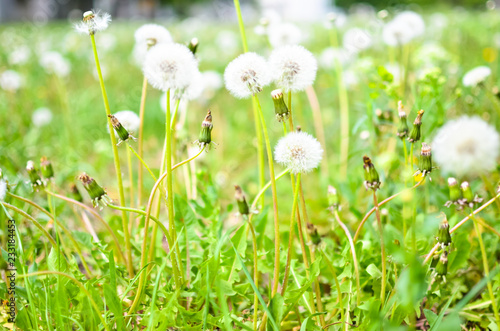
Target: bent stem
column 116, row 158
column 290, row 240
column 486, row 270
column 275, row 201
column 141, row 140
column 382, row 248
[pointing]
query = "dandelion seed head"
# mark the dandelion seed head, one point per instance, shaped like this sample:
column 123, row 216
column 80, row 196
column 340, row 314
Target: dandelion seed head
column 93, row 21
column 293, row 68
column 10, row 80
column 54, row 63
column 170, row 67
column 129, row 120
column 281, row 34
column 476, row 76
column 329, row 57
column 41, row 117
column 247, row 75
column 148, row 36
column 298, row 151
column 357, row 40
column 20, row 55
column 467, row 146
column 403, row 28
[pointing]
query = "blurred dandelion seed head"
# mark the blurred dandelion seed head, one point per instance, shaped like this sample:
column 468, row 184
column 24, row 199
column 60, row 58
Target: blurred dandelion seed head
column 293, row 68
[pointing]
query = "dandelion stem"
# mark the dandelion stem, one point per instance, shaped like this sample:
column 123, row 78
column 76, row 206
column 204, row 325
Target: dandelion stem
column 116, row 157
column 337, row 285
column 382, row 248
column 264, row 189
column 141, row 140
column 130, row 176
column 318, row 126
column 275, row 200
column 290, row 114
column 486, row 269
column 290, row 239
column 142, row 162
column 255, row 274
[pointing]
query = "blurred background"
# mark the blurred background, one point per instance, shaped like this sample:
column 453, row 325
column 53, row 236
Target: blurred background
column 41, row 11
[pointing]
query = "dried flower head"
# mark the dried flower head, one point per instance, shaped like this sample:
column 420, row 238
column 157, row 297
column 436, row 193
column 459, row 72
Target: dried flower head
column 466, row 146
column 206, row 131
column 247, row 75
column 93, row 21
column 312, row 231
column 403, row 125
column 170, row 67
column 415, row 132
column 46, row 168
column 444, row 237
column 298, row 151
column 469, row 199
column 148, row 36
column 372, row 179
column 97, row 194
column 130, row 121
column 241, row 200
column 476, row 76
column 35, row 179
column 455, row 193
column 280, row 108
column 293, row 68
column 425, row 164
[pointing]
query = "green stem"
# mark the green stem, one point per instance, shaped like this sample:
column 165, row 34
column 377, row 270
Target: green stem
column 116, row 157
column 241, row 25
column 141, row 140
column 142, row 162
column 290, row 114
column 486, row 270
column 275, row 200
column 344, row 120
column 255, row 275
column 337, row 285
column 290, row 239
column 130, row 176
column 382, row 248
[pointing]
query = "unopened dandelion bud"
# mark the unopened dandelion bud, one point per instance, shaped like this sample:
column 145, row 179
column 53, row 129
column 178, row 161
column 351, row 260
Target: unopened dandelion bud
column 442, row 266
column 193, row 45
column 75, row 193
column 455, row 193
column 280, row 107
column 372, row 179
column 403, row 125
column 97, row 194
column 206, row 130
column 241, row 200
column 333, row 197
column 46, row 168
column 467, row 192
column 313, row 234
column 122, row 133
column 33, row 174
column 444, row 237
column 415, row 133
column 425, row 165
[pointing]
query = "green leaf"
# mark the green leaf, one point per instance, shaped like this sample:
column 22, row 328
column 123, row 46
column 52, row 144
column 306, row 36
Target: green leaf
column 430, row 315
column 112, row 270
column 277, row 306
column 114, row 304
column 374, row 271
column 305, row 325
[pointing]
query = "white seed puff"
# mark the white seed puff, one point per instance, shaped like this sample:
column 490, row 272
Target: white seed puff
column 475, row 76
column 148, row 36
column 467, row 146
column 298, row 151
column 247, row 75
column 93, row 21
column 293, row 68
column 170, row 67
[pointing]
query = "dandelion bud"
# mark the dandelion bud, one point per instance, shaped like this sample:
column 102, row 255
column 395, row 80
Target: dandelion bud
column 241, row 200
column 33, row 173
column 467, row 192
column 403, row 125
column 415, row 131
column 442, row 266
column 97, row 194
column 120, row 130
column 75, row 193
column 455, row 193
column 46, row 167
column 206, row 130
column 372, row 179
column 425, row 165
column 280, row 107
column 333, row 198
column 193, row 45
column 444, row 237
column 313, row 234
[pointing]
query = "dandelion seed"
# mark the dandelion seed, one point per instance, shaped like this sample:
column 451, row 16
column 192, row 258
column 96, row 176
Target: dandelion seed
column 93, row 21
column 466, row 146
column 293, row 68
column 41, row 117
column 298, row 151
column 10, row 81
column 170, row 67
column 55, row 63
column 247, row 75
column 148, row 36
column 476, row 76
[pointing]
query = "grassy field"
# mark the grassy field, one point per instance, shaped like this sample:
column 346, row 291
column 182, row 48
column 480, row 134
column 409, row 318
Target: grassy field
column 368, row 251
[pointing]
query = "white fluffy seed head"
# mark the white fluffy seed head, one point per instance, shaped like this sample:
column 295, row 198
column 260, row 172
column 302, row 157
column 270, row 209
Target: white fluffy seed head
column 170, row 67
column 467, row 146
column 247, row 75
column 293, row 68
column 148, row 36
column 298, row 151
column 356, row 40
column 55, row 63
column 3, row 189
column 93, row 21
column 10, row 80
column 129, row 120
column 475, row 76
column 281, row 34
column 41, row 117
column 403, row 28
